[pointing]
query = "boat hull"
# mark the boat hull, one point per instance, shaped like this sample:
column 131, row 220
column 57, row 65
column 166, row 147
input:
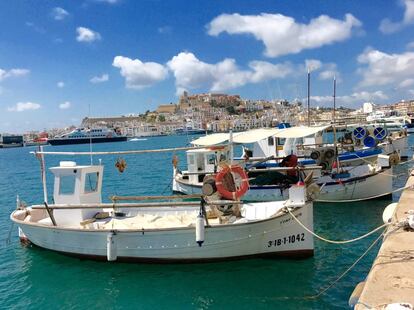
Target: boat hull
column 360, row 188
column 275, row 236
column 86, row 140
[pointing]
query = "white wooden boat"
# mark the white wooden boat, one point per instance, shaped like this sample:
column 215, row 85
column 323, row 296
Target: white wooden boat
column 365, row 181
column 79, row 224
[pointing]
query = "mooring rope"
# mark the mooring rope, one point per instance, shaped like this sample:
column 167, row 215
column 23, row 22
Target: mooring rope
column 346, row 271
column 367, row 198
column 335, row 241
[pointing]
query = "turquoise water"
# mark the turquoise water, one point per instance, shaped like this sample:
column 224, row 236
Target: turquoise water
column 38, row 279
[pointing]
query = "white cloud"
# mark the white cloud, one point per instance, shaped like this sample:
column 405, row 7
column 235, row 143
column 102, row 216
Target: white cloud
column 60, row 84
column 281, row 34
column 385, row 69
column 138, row 74
column 87, row 35
column 59, row 13
column 65, row 105
column 4, row 74
column 313, row 64
column 108, row 1
column 192, row 73
column 99, row 79
column 327, row 71
column 406, row 83
column 387, row 26
column 355, row 98
column 24, row 106
column 165, row 30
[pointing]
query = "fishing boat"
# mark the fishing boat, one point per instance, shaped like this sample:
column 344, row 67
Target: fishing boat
column 79, row 224
column 84, row 135
column 365, row 181
column 359, row 175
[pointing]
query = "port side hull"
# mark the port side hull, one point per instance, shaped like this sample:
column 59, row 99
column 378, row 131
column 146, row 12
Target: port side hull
column 276, row 236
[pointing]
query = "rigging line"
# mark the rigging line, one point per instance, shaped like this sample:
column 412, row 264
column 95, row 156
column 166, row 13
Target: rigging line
column 335, row 241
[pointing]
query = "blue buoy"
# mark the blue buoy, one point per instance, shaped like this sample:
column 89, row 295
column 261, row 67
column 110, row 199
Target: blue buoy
column 380, row 133
column 359, row 133
column 370, row 141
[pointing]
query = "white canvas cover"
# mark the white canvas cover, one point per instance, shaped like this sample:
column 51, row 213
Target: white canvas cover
column 299, row 131
column 212, row 139
column 255, row 135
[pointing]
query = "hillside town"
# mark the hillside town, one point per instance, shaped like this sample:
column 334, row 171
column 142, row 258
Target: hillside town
column 210, row 112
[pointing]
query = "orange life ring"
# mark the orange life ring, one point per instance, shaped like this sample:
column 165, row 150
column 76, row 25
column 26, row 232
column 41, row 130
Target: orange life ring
column 240, row 191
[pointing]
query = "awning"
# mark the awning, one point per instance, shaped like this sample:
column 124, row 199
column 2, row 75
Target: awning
column 255, row 135
column 212, row 139
column 299, row 131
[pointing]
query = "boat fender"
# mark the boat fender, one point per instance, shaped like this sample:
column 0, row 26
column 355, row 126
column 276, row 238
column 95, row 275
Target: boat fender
column 111, row 254
column 389, row 212
column 200, row 229
column 410, row 219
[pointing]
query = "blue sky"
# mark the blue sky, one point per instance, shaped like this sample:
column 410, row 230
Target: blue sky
column 125, row 56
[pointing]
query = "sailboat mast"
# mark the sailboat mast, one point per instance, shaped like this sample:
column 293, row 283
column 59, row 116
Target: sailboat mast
column 308, row 97
column 334, row 125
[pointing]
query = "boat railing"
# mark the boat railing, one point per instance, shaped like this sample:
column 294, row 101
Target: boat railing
column 133, row 205
column 307, row 167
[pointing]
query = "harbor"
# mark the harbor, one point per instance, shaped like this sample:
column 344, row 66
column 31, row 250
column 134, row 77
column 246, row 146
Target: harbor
column 390, row 280
column 207, row 155
column 304, row 275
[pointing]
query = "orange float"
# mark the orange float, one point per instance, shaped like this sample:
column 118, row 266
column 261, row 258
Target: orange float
column 240, row 191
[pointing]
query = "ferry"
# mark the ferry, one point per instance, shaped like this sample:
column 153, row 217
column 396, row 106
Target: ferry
column 84, row 135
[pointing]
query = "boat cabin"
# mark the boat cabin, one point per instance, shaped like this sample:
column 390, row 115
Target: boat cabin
column 74, row 184
column 287, row 141
column 205, row 160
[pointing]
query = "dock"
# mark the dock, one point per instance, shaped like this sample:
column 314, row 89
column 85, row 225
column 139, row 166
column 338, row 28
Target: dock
column 391, row 278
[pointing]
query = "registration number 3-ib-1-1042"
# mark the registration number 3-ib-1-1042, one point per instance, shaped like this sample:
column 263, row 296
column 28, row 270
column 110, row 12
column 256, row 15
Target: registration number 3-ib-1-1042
column 286, row 240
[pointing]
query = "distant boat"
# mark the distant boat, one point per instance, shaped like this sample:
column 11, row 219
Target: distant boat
column 189, row 130
column 83, row 135
column 137, row 139
column 36, row 142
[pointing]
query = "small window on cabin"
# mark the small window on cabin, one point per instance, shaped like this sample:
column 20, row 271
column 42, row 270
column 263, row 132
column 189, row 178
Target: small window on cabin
column 191, row 159
column 67, row 184
column 211, row 159
column 270, row 141
column 91, row 182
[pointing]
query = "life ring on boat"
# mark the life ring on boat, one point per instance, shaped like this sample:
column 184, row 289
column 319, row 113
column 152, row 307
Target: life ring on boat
column 240, row 191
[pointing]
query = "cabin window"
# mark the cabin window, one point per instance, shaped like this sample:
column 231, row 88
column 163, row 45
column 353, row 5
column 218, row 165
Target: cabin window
column 91, row 182
column 191, row 159
column 270, row 141
column 211, row 159
column 67, row 184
